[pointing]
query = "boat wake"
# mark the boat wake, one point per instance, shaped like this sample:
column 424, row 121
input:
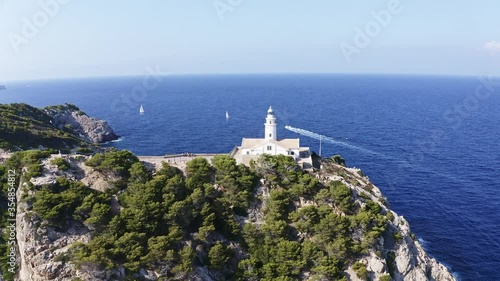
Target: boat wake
column 113, row 141
column 327, row 139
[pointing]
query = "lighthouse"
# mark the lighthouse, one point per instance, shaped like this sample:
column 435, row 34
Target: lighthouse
column 270, row 125
column 251, row 148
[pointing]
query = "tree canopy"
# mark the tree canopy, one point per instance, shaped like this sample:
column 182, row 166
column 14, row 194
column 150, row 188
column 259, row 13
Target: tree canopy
column 205, row 217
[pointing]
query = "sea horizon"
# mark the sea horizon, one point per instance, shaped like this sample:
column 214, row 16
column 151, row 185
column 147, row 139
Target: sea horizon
column 236, row 74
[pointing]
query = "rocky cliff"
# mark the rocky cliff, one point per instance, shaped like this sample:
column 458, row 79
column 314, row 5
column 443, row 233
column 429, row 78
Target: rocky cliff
column 394, row 254
column 88, row 128
column 58, row 127
column 403, row 257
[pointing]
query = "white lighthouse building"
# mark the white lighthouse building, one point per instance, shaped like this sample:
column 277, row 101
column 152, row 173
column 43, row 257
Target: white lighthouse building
column 270, row 125
column 251, row 148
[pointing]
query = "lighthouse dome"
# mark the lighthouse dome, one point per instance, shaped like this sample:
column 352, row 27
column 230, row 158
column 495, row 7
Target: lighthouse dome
column 270, row 111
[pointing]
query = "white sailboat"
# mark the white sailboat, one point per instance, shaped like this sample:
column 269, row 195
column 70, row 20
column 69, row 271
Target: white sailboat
column 227, row 115
column 141, row 110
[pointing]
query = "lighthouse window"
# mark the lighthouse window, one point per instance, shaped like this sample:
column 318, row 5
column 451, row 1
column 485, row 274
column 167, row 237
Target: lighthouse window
column 292, row 153
column 269, row 121
column 269, row 147
column 270, row 135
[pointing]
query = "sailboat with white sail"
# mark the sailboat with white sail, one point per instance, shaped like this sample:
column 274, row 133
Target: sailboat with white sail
column 227, row 115
column 141, row 110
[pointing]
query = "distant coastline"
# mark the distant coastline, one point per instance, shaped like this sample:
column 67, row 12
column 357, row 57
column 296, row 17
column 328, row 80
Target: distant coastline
column 2, row 87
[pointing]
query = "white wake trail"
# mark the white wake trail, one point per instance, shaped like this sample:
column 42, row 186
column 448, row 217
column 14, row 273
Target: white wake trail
column 327, row 139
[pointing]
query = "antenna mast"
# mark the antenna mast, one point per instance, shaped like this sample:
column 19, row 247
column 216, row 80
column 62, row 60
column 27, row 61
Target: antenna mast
column 320, row 145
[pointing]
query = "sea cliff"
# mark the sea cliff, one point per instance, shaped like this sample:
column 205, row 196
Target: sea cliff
column 88, row 128
column 61, row 127
column 110, row 216
column 218, row 221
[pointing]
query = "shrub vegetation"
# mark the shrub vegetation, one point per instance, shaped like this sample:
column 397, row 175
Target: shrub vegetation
column 180, row 221
column 61, row 164
column 26, row 127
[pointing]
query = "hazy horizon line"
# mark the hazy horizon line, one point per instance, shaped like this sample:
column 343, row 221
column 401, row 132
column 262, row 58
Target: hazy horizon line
column 166, row 74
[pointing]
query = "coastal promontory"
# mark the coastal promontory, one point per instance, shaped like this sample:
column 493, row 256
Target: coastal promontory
column 112, row 217
column 60, row 127
column 108, row 214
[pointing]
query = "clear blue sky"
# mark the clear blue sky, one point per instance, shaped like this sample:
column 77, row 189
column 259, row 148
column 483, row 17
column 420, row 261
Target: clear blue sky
column 123, row 37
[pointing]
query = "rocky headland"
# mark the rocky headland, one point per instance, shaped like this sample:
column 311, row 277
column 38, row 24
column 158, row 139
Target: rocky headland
column 88, row 128
column 111, row 216
column 388, row 250
column 61, row 127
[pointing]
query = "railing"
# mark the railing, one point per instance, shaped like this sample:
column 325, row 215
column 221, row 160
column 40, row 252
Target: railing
column 188, row 154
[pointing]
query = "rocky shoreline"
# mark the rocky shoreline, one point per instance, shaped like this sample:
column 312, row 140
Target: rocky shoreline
column 88, row 128
column 61, row 127
column 41, row 246
column 43, row 250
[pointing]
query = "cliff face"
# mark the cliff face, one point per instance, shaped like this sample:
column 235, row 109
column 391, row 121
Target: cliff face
column 410, row 261
column 59, row 127
column 44, row 249
column 90, row 129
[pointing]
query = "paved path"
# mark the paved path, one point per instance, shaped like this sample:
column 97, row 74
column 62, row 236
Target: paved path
column 4, row 156
column 177, row 160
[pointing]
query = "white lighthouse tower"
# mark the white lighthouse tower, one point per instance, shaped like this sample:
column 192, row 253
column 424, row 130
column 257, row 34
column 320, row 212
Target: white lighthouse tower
column 251, row 148
column 270, row 125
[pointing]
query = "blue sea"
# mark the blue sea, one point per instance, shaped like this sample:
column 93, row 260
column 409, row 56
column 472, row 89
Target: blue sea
column 430, row 143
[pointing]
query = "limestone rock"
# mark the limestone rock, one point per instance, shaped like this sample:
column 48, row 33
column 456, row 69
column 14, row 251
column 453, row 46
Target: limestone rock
column 41, row 247
column 88, row 128
column 376, row 264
